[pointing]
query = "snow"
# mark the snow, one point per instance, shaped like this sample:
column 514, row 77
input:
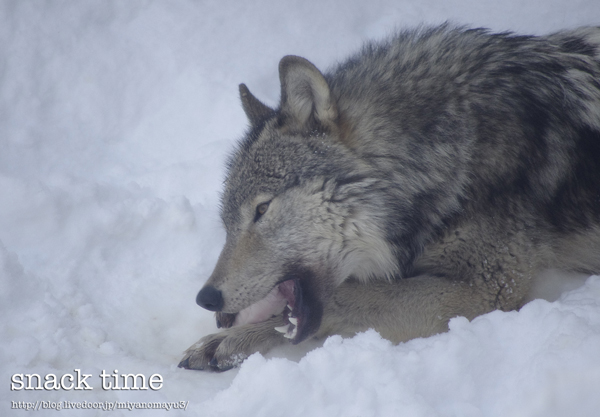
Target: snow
column 115, row 121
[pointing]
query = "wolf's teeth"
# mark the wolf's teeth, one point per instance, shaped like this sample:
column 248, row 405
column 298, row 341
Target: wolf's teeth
column 282, row 329
column 293, row 320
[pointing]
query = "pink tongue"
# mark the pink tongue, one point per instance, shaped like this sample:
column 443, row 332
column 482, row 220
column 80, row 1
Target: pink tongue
column 286, row 289
column 272, row 304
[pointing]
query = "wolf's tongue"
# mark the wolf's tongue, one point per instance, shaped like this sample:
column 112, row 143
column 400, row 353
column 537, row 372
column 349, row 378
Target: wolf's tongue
column 286, row 289
column 272, row 304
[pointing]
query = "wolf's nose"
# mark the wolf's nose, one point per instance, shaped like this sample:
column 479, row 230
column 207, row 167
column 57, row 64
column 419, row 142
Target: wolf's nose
column 210, row 298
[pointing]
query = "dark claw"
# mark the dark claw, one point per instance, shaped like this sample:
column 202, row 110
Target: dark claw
column 185, row 363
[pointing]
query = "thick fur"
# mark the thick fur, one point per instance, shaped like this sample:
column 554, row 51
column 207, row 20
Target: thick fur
column 430, row 176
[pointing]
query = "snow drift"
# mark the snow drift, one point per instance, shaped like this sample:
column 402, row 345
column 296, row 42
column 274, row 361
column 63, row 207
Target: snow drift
column 116, row 119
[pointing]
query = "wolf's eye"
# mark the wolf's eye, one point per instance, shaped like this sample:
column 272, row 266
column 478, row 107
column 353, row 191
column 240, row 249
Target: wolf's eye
column 260, row 210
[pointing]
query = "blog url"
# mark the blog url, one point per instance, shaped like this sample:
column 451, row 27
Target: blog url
column 97, row 405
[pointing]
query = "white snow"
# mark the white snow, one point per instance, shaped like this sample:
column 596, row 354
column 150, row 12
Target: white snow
column 115, row 121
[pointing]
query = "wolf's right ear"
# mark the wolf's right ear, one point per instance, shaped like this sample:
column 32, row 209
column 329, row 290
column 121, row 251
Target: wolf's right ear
column 305, row 94
column 255, row 110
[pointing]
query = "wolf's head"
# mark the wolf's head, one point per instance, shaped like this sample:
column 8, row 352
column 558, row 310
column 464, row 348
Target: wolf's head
column 300, row 209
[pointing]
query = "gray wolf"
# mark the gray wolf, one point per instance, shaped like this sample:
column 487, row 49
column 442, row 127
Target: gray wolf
column 430, row 176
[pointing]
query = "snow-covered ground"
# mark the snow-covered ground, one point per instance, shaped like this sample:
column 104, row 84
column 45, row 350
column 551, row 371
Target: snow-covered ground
column 115, row 120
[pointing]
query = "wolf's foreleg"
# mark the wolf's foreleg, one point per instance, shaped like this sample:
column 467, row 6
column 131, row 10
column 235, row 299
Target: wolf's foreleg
column 403, row 310
column 227, row 349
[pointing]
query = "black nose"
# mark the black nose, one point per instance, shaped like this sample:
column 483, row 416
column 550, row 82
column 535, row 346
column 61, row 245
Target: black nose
column 210, row 298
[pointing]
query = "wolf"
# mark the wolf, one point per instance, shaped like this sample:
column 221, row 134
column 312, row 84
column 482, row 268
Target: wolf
column 432, row 175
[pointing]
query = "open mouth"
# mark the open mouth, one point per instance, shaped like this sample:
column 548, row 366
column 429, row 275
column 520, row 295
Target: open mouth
column 290, row 299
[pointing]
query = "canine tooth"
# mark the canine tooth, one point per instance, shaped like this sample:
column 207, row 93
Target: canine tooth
column 294, row 332
column 289, row 335
column 282, row 329
column 293, row 320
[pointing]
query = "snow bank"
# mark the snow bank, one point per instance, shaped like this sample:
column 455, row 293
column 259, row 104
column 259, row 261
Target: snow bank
column 116, row 118
column 541, row 361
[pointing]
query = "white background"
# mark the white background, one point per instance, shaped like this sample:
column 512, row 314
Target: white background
column 115, row 121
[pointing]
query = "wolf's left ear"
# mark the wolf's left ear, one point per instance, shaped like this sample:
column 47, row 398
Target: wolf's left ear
column 305, row 94
column 255, row 110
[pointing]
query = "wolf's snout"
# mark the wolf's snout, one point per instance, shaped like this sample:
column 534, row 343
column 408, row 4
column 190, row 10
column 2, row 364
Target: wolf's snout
column 210, row 298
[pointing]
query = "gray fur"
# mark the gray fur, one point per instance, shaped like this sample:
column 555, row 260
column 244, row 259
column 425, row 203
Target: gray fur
column 430, row 176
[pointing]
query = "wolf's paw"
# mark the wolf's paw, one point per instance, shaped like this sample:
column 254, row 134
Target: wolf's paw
column 203, row 355
column 225, row 350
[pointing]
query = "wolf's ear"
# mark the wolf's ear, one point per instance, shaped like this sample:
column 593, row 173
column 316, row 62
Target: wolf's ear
column 305, row 93
column 255, row 110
